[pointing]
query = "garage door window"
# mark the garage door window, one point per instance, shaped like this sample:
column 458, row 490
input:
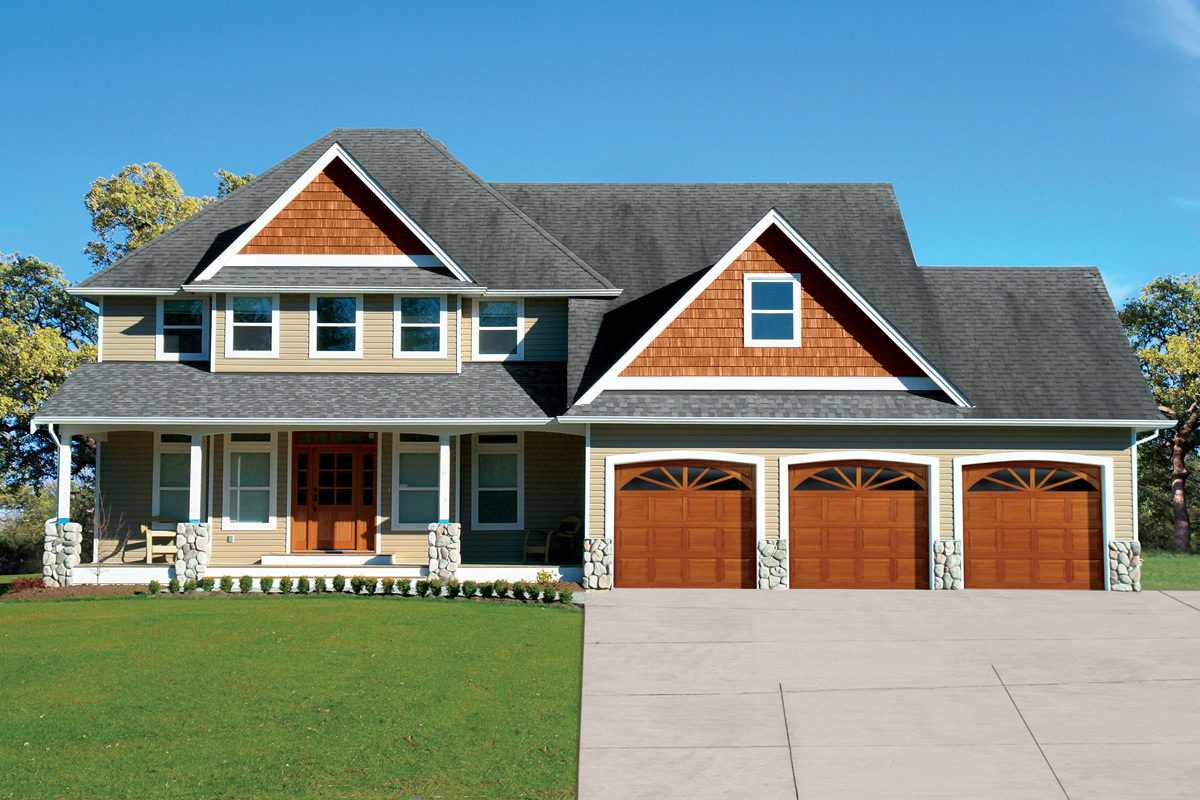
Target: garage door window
column 869, row 478
column 692, row 478
column 1045, row 479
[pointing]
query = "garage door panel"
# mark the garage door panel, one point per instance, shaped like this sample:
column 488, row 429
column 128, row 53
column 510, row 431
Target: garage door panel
column 669, row 570
column 667, row 509
column 841, row 509
column 980, row 571
column 1052, row 571
column 805, row 571
column 841, row 539
column 732, row 540
column 668, row 539
column 878, row 540
column 805, row 541
column 703, row 508
column 635, row 540
column 876, row 509
column 703, row 540
column 701, row 571
column 636, row 570
column 633, row 509
column 1016, row 539
column 876, row 571
column 1015, row 509
column 982, row 509
column 842, row 571
column 1052, row 509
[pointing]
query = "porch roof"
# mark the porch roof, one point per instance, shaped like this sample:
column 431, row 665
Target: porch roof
column 168, row 392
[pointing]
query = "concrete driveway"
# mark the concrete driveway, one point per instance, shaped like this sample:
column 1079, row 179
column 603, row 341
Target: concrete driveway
column 865, row 694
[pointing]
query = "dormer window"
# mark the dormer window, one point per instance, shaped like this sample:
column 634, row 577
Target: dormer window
column 771, row 310
column 500, row 330
column 182, row 330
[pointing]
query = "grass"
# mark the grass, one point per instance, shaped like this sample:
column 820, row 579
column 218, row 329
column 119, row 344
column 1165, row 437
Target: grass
column 1163, row 569
column 6, row 580
column 299, row 697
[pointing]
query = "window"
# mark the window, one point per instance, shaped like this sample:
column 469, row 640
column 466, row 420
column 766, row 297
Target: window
column 252, row 327
column 499, row 330
column 771, row 310
column 182, row 333
column 415, row 485
column 172, row 475
column 335, row 326
column 498, row 482
column 419, row 323
column 249, row 490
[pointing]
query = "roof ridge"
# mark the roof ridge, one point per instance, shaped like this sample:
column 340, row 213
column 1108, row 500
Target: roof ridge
column 697, row 183
column 588, row 268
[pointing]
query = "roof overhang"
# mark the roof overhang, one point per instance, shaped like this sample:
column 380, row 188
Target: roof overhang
column 1140, row 424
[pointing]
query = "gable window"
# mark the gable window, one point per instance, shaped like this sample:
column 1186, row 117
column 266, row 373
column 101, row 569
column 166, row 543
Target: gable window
column 172, row 473
column 252, row 326
column 182, row 333
column 249, row 491
column 771, row 310
column 419, row 327
column 335, row 326
column 498, row 482
column 416, row 470
column 499, row 330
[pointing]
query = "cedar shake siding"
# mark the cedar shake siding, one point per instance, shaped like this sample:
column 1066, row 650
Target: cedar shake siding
column 837, row 339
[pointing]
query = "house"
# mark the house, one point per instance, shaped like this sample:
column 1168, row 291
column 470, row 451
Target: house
column 370, row 360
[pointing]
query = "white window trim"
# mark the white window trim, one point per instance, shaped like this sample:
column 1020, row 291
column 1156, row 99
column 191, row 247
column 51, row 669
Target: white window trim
column 399, row 447
column 750, row 278
column 519, row 355
column 312, row 327
column 231, row 447
column 519, row 449
column 274, row 325
column 161, row 447
column 398, row 325
column 160, row 354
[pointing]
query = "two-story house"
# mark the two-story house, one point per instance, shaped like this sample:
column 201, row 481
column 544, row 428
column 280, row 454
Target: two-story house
column 370, row 360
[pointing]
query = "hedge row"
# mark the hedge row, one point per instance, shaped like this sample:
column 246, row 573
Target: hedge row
column 546, row 591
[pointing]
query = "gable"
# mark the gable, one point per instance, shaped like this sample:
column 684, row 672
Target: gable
column 336, row 214
column 837, row 339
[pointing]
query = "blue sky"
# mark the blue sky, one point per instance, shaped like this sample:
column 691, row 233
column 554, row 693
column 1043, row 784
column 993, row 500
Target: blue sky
column 1015, row 133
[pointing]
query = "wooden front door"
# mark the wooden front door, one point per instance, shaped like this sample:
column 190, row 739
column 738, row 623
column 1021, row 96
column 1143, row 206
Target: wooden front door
column 333, row 492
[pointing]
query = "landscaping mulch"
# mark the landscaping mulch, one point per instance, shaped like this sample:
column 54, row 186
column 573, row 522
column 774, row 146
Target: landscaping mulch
column 91, row 590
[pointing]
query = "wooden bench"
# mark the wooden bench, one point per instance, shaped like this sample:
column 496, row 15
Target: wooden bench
column 159, row 534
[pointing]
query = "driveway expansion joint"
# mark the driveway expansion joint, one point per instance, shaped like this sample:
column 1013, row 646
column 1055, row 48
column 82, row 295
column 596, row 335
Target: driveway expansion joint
column 1031, row 734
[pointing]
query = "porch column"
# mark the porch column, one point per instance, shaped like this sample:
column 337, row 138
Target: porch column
column 63, row 538
column 64, row 475
column 195, row 485
column 444, row 478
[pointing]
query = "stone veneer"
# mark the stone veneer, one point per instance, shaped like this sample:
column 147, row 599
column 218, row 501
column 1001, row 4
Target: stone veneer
column 61, row 554
column 445, row 550
column 947, row 564
column 193, row 544
column 772, row 564
column 1125, row 566
column 597, row 563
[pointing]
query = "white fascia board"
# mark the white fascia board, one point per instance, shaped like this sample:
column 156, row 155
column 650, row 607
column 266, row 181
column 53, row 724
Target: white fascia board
column 101, row 292
column 772, row 218
column 765, row 384
column 335, row 151
column 294, row 289
column 1052, row 423
column 555, row 292
column 298, row 424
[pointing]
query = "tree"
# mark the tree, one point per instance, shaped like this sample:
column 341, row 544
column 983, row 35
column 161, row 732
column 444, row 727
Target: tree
column 1163, row 324
column 138, row 203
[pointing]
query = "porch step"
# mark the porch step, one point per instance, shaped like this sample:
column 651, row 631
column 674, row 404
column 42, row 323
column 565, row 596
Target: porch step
column 327, row 560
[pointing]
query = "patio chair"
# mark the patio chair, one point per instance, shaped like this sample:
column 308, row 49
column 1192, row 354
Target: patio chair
column 568, row 528
column 159, row 529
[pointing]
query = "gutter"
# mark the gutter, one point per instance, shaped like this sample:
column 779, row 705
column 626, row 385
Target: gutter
column 1060, row 423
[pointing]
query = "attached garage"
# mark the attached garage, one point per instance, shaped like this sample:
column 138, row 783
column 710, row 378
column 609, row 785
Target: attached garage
column 1033, row 526
column 684, row 524
column 858, row 525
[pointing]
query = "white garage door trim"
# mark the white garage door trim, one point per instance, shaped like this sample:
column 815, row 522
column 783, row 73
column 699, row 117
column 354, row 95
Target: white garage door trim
column 1107, row 505
column 612, row 462
column 932, row 477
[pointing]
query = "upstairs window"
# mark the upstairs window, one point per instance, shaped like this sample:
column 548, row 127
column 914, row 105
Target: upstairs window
column 771, row 310
column 500, row 330
column 419, row 327
column 182, row 330
column 252, row 327
column 335, row 326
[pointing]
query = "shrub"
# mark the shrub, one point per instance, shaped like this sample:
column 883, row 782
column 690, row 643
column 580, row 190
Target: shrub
column 565, row 596
column 545, row 576
column 370, row 584
column 302, row 586
column 318, row 584
column 264, row 584
column 285, row 585
column 25, row 584
column 403, row 585
column 208, row 584
column 173, row 586
column 356, row 584
column 469, row 588
column 339, row 583
column 487, row 589
column 154, row 588
column 501, row 588
column 189, row 585
column 245, row 584
column 520, row 590
column 388, row 585
column 226, row 584
column 435, row 588
column 453, row 588
column 549, row 593
column 422, row 588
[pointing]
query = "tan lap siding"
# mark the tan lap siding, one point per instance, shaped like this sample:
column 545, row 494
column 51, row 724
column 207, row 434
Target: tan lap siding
column 248, row 547
column 943, row 443
column 406, row 547
column 545, row 328
column 127, row 328
column 126, row 493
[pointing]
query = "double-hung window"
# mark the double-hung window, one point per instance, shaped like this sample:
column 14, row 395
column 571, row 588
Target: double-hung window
column 249, row 492
column 252, row 326
column 182, row 333
column 498, row 482
column 335, row 326
column 415, row 485
column 771, row 310
column 499, row 330
column 172, row 475
column 419, row 327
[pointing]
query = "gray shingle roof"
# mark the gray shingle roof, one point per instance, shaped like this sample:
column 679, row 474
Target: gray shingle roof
column 165, row 390
column 245, row 276
column 769, row 405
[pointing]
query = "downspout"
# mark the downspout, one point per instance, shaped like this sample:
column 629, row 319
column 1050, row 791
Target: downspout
column 1133, row 457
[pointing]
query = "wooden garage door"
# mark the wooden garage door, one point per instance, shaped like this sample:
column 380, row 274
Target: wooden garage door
column 862, row 525
column 1032, row 526
column 684, row 524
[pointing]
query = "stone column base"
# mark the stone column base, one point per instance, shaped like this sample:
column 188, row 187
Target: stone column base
column 445, row 550
column 61, row 553
column 597, row 564
column 193, row 543
column 772, row 564
column 947, row 564
column 1125, row 566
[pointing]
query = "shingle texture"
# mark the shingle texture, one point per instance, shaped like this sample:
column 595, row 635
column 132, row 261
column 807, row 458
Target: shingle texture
column 770, row 405
column 255, row 277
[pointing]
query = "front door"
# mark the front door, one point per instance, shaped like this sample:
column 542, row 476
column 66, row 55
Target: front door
column 333, row 491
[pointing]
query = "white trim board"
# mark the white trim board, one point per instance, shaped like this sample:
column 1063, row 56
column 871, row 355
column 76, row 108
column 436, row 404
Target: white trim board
column 335, row 151
column 772, row 218
column 762, row 384
column 930, row 423
column 1107, row 500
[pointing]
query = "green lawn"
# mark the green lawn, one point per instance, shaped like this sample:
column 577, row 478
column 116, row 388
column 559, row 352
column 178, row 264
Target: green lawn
column 324, row 697
column 1166, row 570
column 6, row 580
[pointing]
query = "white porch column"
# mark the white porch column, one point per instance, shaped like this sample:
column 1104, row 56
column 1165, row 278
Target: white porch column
column 444, row 477
column 64, row 475
column 195, row 484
